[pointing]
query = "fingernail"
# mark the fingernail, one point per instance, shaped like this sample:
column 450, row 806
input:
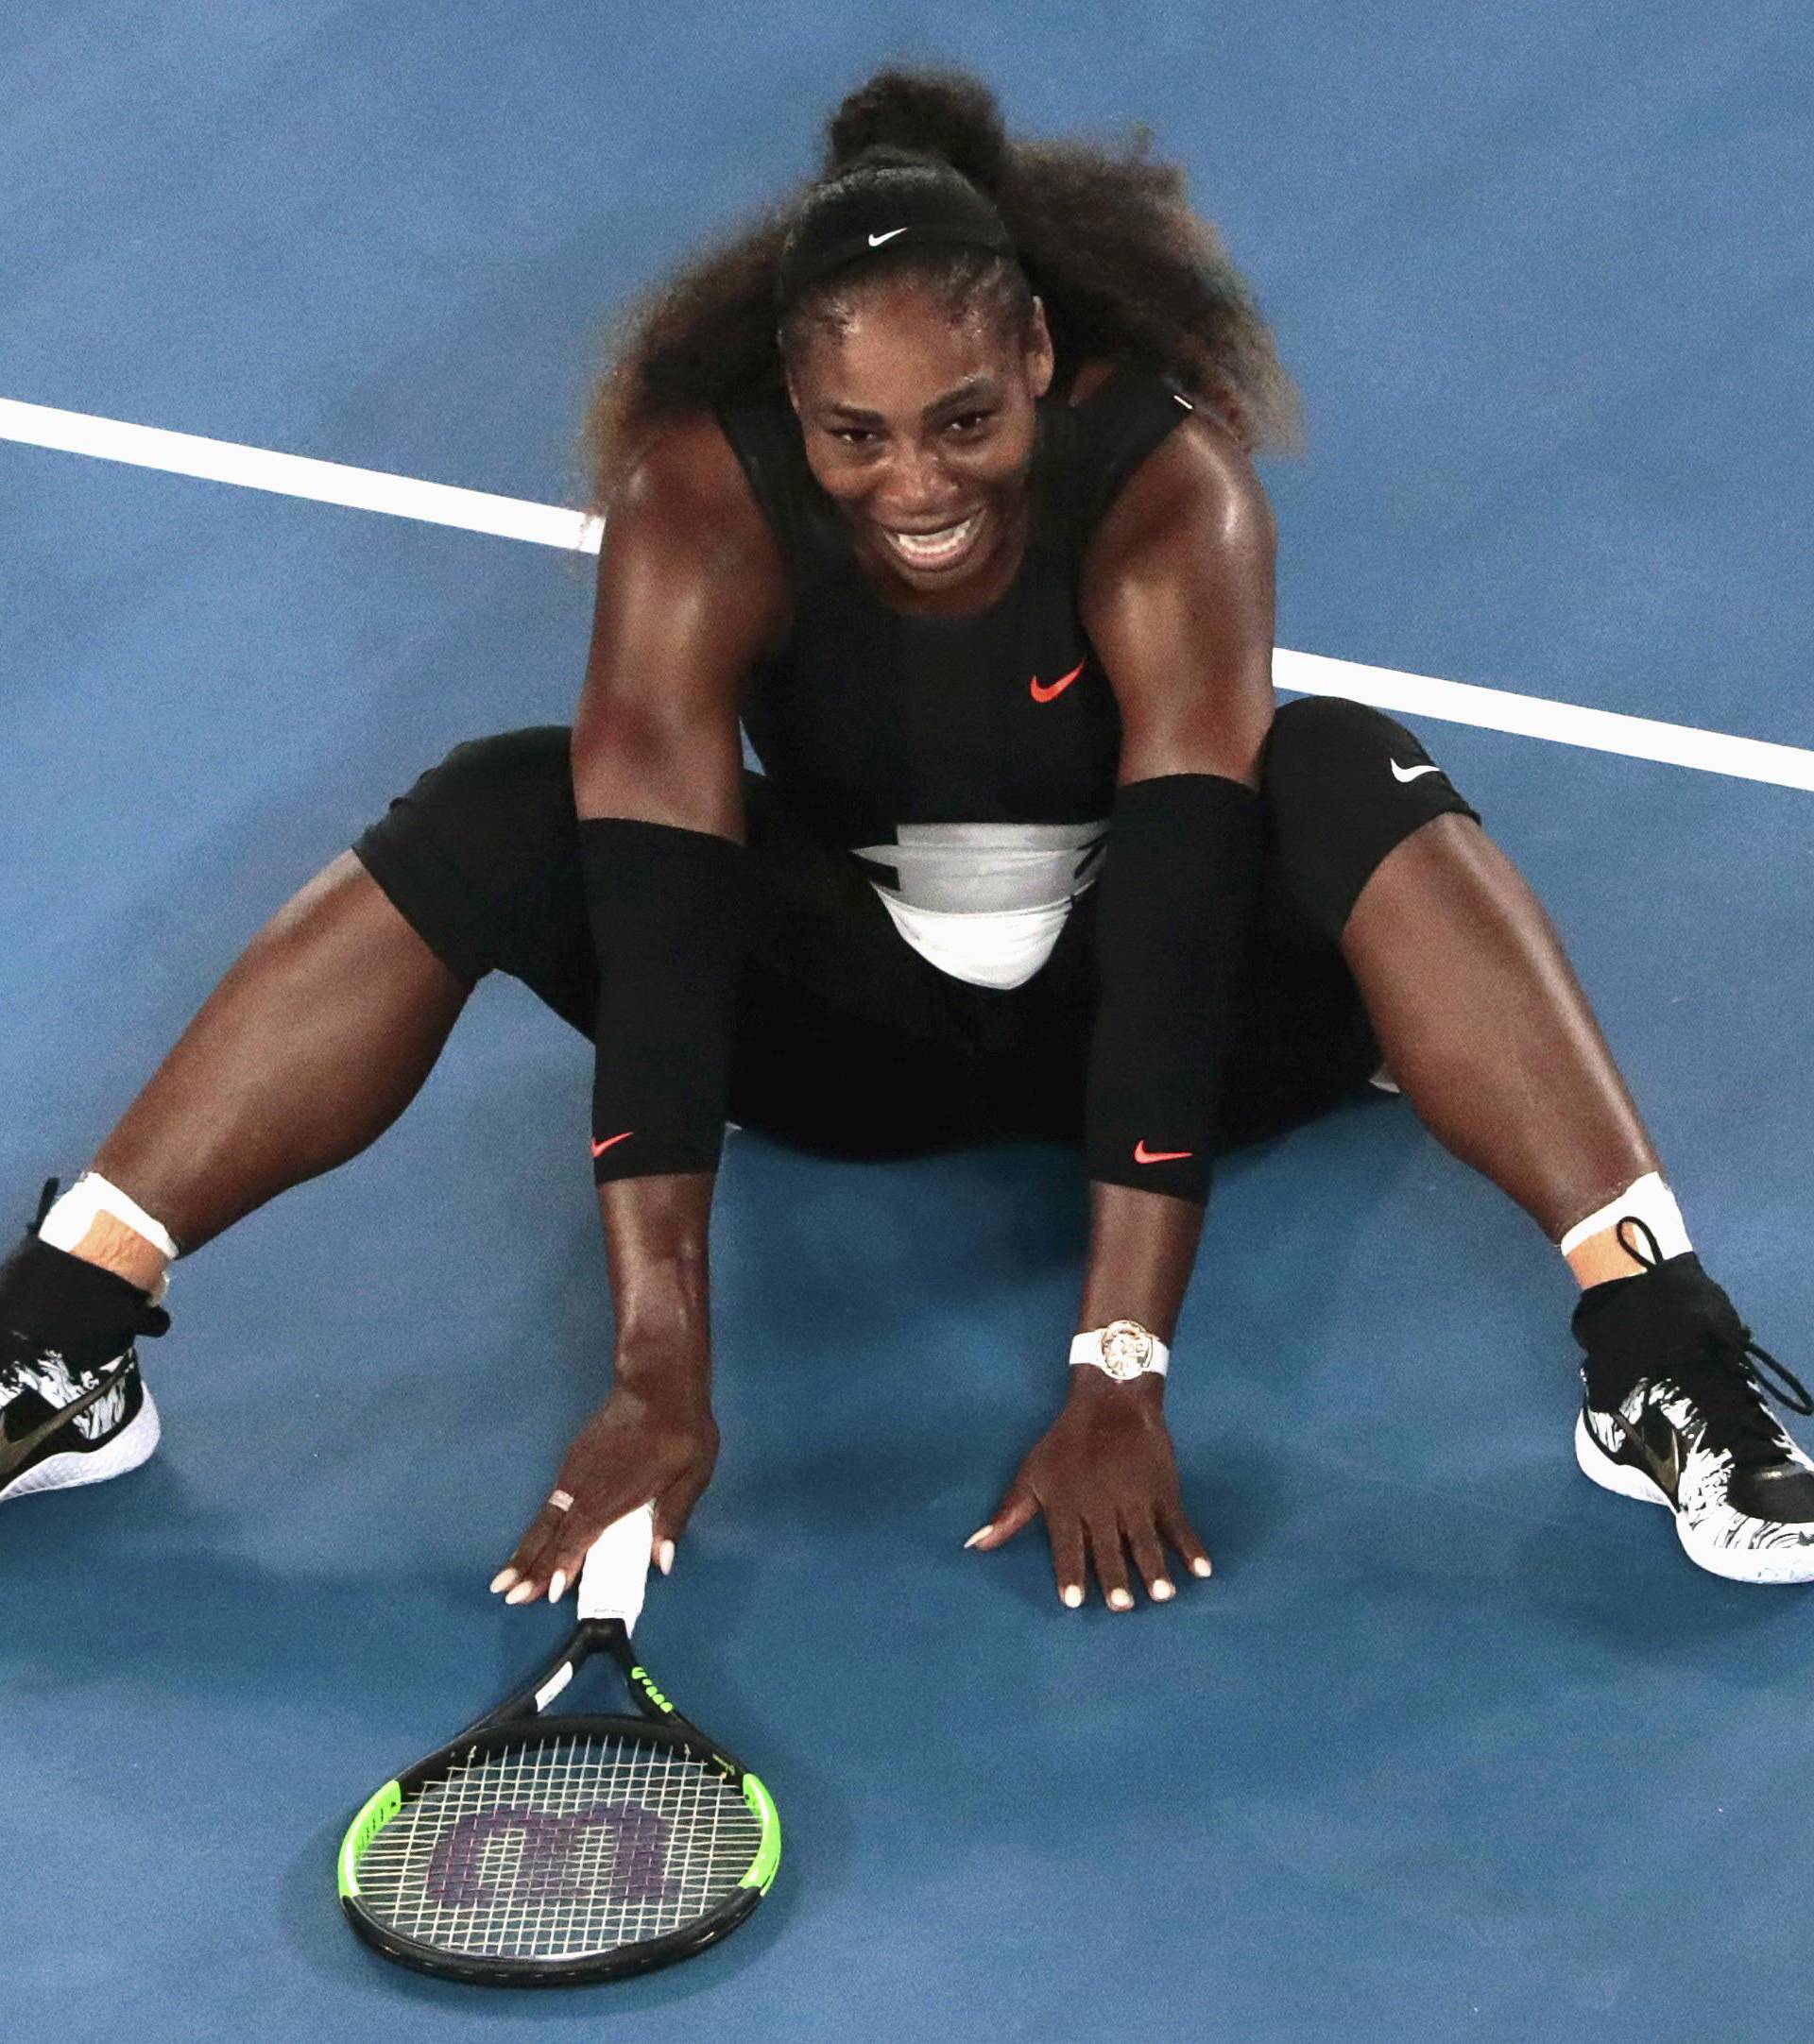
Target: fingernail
column 664, row 1558
column 1119, row 1600
column 1161, row 1590
column 557, row 1583
column 503, row 1579
column 1201, row 1566
column 1072, row 1595
column 522, row 1591
column 982, row 1533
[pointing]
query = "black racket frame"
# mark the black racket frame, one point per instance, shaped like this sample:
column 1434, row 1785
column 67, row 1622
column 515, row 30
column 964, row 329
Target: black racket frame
column 657, row 1722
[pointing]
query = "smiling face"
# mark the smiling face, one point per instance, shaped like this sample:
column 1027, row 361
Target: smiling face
column 920, row 426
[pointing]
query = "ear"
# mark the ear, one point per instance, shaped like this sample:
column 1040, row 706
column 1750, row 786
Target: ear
column 1040, row 359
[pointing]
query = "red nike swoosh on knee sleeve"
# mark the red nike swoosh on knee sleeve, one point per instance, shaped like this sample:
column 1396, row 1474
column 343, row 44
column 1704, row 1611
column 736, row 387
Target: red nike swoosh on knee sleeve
column 599, row 1149
column 1144, row 1155
column 1058, row 687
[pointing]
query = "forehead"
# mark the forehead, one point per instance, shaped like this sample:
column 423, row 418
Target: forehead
column 895, row 346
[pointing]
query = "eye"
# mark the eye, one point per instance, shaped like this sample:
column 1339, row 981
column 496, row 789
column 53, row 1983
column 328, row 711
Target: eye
column 851, row 435
column 969, row 419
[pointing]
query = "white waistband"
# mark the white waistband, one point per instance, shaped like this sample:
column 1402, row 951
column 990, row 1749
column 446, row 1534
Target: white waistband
column 995, row 947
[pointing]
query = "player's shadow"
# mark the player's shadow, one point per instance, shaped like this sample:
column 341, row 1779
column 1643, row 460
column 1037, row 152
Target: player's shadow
column 1613, row 1572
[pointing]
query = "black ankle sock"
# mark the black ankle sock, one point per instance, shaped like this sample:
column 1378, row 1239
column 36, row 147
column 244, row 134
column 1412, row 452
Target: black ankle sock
column 1633, row 1326
column 48, row 1296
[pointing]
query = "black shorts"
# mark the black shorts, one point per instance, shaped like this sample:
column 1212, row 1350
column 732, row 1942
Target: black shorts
column 848, row 1042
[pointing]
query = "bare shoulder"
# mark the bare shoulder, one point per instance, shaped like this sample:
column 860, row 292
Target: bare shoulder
column 1197, row 496
column 691, row 587
column 1177, row 596
column 682, row 495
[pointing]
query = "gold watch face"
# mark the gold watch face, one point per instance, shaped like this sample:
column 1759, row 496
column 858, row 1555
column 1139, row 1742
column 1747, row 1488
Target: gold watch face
column 1126, row 1349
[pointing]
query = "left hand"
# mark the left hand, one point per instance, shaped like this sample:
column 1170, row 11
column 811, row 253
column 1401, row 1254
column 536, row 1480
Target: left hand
column 1105, row 1475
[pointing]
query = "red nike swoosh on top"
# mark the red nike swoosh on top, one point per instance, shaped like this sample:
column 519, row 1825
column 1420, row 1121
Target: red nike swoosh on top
column 1058, row 687
column 599, row 1149
column 1144, row 1155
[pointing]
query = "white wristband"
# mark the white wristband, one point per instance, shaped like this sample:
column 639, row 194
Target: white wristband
column 1124, row 1349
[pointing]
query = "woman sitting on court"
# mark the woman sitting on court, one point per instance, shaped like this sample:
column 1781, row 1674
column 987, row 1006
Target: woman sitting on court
column 941, row 482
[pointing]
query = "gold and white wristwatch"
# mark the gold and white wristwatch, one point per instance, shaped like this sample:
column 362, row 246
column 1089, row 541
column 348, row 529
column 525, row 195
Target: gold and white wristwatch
column 1121, row 1350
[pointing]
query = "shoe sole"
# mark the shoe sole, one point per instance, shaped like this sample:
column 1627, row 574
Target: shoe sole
column 1737, row 1564
column 134, row 1443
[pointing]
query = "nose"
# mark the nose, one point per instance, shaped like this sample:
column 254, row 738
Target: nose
column 916, row 491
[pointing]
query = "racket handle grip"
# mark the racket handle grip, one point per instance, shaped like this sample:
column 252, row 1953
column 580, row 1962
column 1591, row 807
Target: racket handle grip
column 616, row 1571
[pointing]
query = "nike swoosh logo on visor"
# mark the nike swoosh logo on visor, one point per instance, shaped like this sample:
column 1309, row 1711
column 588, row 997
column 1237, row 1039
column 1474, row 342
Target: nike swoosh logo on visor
column 876, row 240
column 13, row 1454
column 1144, row 1155
column 1058, row 687
column 1411, row 774
column 599, row 1149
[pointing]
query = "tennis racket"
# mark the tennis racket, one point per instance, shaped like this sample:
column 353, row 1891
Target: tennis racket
column 535, row 1851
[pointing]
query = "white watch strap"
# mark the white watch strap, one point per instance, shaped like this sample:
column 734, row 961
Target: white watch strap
column 1086, row 1351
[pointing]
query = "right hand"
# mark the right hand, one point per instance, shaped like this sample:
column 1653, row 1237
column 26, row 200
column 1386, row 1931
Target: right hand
column 653, row 1438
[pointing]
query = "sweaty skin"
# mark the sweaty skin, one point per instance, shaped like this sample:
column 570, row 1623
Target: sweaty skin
column 910, row 419
column 911, row 422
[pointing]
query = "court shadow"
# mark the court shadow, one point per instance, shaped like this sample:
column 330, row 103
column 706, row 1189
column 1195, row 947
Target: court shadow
column 1617, row 1577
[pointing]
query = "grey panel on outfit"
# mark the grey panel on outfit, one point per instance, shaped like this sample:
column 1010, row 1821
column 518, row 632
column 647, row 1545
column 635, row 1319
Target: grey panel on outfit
column 977, row 867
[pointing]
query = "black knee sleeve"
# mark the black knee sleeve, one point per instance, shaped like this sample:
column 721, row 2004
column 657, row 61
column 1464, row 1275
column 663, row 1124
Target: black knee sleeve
column 1343, row 784
column 462, row 853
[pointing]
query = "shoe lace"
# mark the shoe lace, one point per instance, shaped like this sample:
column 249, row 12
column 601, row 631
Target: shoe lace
column 1733, row 1376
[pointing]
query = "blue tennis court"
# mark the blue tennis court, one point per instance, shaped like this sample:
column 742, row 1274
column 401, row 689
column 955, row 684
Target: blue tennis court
column 1454, row 1744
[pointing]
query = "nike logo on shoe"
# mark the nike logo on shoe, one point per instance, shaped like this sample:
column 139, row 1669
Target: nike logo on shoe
column 876, row 240
column 16, row 1451
column 1058, row 687
column 599, row 1149
column 1665, row 1470
column 1144, row 1155
column 1411, row 774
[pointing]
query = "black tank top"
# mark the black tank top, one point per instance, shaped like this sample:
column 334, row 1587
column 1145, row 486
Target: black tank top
column 967, row 762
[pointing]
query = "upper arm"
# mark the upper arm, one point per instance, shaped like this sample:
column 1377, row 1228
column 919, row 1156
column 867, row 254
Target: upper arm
column 690, row 590
column 1177, row 598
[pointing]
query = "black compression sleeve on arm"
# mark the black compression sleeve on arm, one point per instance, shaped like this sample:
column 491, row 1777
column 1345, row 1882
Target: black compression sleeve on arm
column 1175, row 907
column 666, row 907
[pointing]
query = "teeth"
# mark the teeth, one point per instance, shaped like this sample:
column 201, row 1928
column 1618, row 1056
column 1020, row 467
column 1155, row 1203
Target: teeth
column 934, row 547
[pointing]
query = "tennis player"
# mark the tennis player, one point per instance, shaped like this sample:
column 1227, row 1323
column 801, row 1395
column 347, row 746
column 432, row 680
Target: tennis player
column 940, row 479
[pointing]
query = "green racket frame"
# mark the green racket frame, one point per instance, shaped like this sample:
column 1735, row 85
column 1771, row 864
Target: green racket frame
column 519, row 1720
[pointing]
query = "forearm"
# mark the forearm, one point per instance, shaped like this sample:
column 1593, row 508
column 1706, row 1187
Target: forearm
column 653, row 1438
column 656, row 1241
column 1142, row 1247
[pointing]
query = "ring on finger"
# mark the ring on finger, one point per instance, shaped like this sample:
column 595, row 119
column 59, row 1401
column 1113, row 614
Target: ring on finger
column 561, row 1500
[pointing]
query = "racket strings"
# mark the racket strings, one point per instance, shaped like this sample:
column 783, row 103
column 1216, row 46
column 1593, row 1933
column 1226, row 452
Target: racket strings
column 559, row 1848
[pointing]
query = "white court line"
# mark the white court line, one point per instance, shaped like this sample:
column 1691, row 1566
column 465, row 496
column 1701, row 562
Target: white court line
column 297, row 476
column 515, row 518
column 1537, row 716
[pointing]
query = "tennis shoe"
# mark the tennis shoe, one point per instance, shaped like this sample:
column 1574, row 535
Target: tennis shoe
column 73, row 1408
column 1675, row 1412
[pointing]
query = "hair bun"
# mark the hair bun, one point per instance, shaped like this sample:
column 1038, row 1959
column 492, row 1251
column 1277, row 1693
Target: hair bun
column 949, row 114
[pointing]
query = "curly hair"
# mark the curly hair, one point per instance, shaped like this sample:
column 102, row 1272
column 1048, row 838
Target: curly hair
column 1105, row 235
